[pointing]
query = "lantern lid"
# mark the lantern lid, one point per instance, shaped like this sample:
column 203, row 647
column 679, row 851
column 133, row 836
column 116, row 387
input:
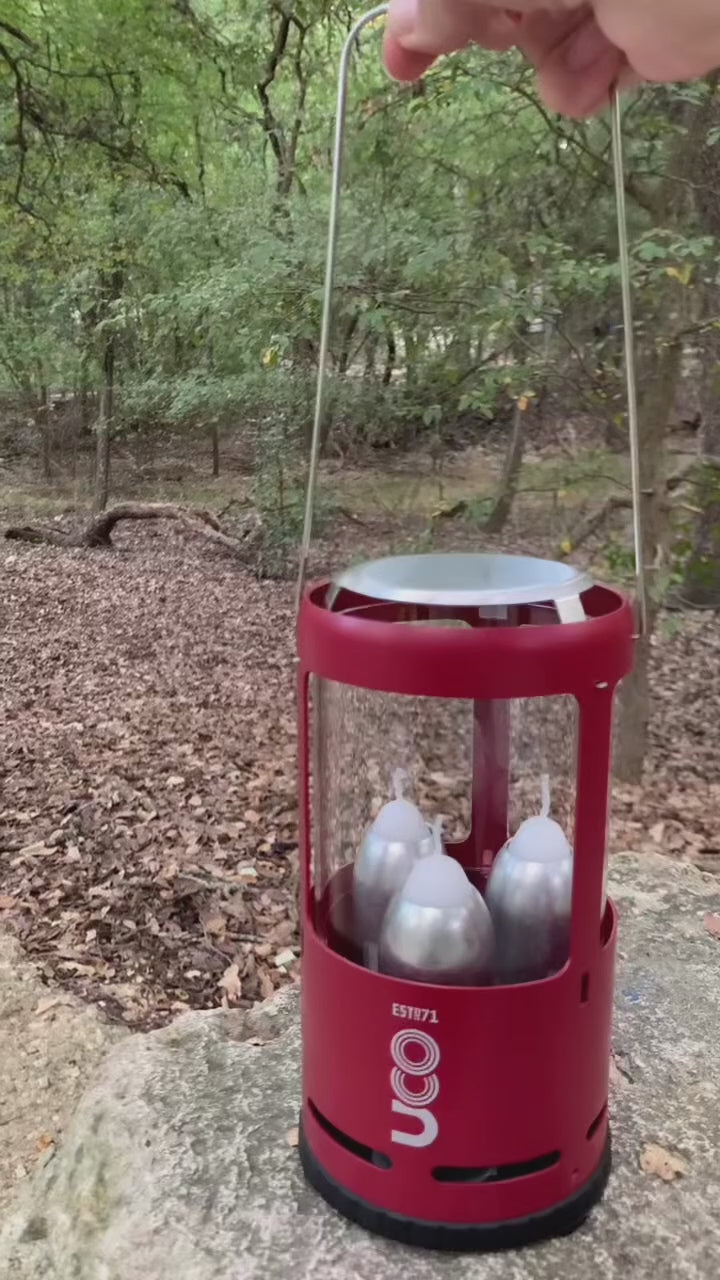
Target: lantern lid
column 466, row 579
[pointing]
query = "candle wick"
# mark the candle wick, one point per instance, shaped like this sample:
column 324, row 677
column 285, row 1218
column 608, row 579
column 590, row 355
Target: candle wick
column 438, row 832
column 545, row 791
column 399, row 779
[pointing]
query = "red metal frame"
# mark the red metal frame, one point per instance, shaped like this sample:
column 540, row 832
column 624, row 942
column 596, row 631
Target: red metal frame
column 523, row 1070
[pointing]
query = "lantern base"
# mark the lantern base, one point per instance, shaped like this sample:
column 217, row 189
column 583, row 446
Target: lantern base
column 561, row 1220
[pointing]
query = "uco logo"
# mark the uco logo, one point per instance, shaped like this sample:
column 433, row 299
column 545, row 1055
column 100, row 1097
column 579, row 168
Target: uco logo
column 415, row 1085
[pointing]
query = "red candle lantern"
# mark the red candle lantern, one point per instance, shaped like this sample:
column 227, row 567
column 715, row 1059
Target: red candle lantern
column 457, row 979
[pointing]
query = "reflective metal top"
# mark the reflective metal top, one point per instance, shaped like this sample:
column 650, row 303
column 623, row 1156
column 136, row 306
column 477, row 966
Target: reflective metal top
column 463, row 579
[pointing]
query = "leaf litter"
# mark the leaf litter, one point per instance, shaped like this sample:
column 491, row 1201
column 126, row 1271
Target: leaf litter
column 148, row 830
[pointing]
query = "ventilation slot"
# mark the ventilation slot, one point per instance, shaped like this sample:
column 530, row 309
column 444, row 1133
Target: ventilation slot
column 376, row 1158
column 496, row 1173
column 596, row 1124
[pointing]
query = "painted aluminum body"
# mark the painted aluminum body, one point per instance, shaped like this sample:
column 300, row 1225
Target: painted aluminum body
column 516, row 1075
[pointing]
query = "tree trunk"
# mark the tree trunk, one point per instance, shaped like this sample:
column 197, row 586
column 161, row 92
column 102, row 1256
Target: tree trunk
column 111, row 284
column 660, row 372
column 701, row 586
column 43, row 418
column 349, row 330
column 371, row 350
column 102, row 453
column 103, row 428
column 660, row 379
column 412, row 359
column 502, row 508
column 701, row 583
column 215, row 447
column 81, row 419
column 391, row 357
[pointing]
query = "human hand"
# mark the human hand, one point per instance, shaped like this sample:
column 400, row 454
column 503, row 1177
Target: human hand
column 581, row 50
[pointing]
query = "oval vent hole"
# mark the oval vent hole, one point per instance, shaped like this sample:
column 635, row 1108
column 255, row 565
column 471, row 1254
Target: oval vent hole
column 360, row 1149
column 496, row 1173
column 596, row 1123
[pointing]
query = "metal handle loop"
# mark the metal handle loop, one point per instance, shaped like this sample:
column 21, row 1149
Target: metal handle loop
column 373, row 15
column 630, row 378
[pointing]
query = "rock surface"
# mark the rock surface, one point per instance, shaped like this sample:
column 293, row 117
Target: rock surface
column 179, row 1163
column 50, row 1046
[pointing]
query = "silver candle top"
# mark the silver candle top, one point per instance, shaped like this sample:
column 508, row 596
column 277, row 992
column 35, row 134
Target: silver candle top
column 437, row 927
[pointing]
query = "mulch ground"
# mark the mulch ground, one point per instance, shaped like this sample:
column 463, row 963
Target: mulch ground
column 148, row 829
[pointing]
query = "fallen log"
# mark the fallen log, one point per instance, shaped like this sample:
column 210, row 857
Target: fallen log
column 98, row 531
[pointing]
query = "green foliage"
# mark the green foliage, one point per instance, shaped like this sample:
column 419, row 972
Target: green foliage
column 164, row 177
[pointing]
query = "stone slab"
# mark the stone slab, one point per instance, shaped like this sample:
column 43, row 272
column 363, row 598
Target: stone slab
column 177, row 1165
column 50, row 1046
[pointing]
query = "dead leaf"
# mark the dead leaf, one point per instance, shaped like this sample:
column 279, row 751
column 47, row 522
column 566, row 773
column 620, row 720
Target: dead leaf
column 231, row 984
column 235, row 906
column 7, row 903
column 267, row 986
column 36, row 850
column 282, row 934
column 44, row 1143
column 213, row 921
column 45, row 1006
column 292, row 1137
column 657, row 1162
column 712, row 925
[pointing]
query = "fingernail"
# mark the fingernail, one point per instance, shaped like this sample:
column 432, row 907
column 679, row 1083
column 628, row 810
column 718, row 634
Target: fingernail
column 585, row 48
column 403, row 19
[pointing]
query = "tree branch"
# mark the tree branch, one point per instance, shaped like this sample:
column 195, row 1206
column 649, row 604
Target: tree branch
column 591, row 525
column 273, row 128
column 16, row 33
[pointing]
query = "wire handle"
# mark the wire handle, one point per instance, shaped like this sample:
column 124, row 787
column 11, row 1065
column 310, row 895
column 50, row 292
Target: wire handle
column 630, row 375
column 366, row 20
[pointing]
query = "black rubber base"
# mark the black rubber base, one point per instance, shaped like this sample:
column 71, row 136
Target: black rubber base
column 561, row 1220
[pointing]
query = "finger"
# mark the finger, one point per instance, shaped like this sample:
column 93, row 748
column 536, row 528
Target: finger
column 434, row 28
column 577, row 65
column 402, row 63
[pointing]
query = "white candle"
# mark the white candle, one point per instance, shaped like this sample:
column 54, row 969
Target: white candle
column 437, row 927
column 400, row 819
column 394, row 842
column 529, row 894
column 541, row 839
